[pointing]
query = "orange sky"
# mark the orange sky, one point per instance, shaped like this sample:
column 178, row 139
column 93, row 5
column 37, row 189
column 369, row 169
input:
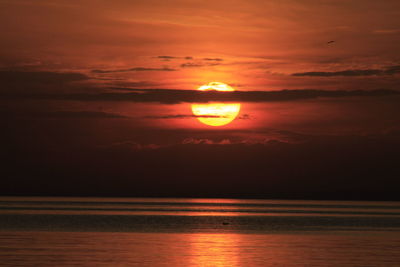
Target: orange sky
column 254, row 45
column 76, row 115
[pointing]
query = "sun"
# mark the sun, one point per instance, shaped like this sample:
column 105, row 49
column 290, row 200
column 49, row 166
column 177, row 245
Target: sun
column 216, row 114
column 216, row 86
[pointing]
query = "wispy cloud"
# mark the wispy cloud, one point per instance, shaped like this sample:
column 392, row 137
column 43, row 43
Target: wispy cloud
column 133, row 69
column 386, row 31
column 198, row 65
column 205, row 141
column 173, row 57
column 357, row 72
column 188, row 58
column 244, row 117
column 212, row 59
column 124, row 85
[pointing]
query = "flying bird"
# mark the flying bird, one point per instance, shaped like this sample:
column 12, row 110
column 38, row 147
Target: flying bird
column 330, row 42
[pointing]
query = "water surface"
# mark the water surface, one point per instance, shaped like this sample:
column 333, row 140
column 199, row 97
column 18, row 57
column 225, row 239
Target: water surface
column 197, row 232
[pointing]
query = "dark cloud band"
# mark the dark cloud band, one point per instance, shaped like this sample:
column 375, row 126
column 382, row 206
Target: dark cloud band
column 132, row 69
column 45, row 77
column 173, row 96
column 364, row 72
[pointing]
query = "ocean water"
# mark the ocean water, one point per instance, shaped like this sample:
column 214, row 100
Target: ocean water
column 197, row 232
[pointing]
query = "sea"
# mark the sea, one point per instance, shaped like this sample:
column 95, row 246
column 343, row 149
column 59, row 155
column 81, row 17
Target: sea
column 39, row 231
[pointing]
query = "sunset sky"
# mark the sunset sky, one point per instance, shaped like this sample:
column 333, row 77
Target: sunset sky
column 96, row 98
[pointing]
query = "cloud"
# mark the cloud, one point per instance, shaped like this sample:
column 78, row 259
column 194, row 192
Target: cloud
column 167, row 58
column 65, row 115
column 205, row 141
column 40, row 77
column 171, row 96
column 137, row 84
column 227, row 141
column 189, row 116
column 360, row 72
column 198, row 65
column 392, row 70
column 133, row 69
column 182, row 116
column 204, row 62
column 192, row 65
column 130, row 146
column 212, row 59
column 82, row 115
column 387, row 31
column 244, row 117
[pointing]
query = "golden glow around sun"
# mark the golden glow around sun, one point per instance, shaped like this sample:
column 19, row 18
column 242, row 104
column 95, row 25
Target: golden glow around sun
column 216, row 114
column 216, row 86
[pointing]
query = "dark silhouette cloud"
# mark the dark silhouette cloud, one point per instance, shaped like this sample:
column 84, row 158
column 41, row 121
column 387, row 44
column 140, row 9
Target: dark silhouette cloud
column 167, row 57
column 138, row 84
column 63, row 115
column 133, row 69
column 182, row 116
column 173, row 57
column 205, row 141
column 392, row 70
column 363, row 72
column 172, row 96
column 41, row 77
column 189, row 116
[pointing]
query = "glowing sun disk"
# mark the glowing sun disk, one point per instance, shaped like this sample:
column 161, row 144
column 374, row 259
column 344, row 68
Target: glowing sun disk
column 216, row 114
column 216, row 86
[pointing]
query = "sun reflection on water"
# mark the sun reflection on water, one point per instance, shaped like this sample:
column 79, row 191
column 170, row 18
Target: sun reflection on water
column 214, row 250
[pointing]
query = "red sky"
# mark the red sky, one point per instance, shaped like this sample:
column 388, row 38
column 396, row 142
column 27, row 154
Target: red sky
column 87, row 92
column 257, row 44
